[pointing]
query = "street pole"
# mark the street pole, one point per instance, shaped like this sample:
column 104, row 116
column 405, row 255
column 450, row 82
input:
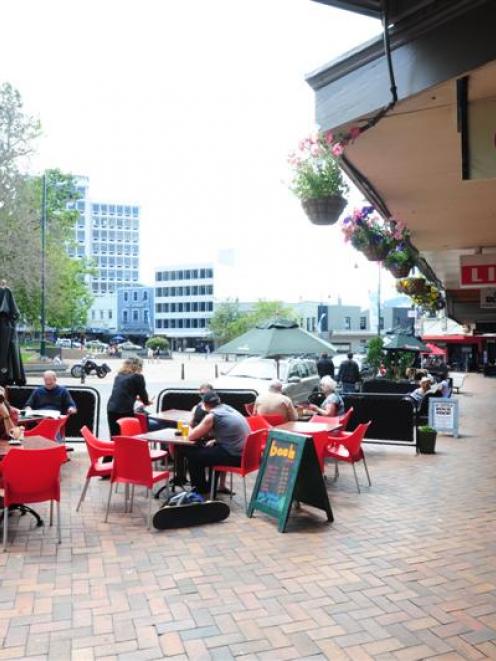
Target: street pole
column 379, row 299
column 43, row 265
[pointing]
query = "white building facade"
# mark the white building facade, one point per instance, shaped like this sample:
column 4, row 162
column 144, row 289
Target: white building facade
column 184, row 304
column 107, row 234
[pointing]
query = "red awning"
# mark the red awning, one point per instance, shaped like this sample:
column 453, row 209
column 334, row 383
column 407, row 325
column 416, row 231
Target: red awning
column 434, row 350
column 454, row 339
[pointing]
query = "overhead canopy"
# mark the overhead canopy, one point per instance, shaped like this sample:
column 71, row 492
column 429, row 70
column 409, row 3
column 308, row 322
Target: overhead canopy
column 401, row 342
column 274, row 339
column 434, row 350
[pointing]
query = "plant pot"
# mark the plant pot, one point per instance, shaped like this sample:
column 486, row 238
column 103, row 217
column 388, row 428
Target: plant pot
column 400, row 270
column 324, row 210
column 426, row 442
column 375, row 252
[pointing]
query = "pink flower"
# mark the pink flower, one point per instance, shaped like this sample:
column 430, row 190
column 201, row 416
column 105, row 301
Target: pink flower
column 302, row 145
column 315, row 150
column 314, row 138
column 337, row 149
column 329, row 137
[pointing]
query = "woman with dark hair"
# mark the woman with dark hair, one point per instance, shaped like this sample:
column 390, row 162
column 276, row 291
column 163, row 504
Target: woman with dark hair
column 129, row 386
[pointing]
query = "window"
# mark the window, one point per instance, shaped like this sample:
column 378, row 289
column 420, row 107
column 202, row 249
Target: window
column 124, row 316
column 93, row 315
column 101, row 315
column 166, row 307
column 187, row 323
column 110, row 314
column 202, row 307
column 210, row 273
column 381, row 323
column 80, row 205
column 210, row 289
column 347, row 323
column 145, row 316
column 202, row 273
column 112, row 209
column 95, row 208
column 194, row 323
column 202, row 290
column 363, row 323
column 158, row 307
column 159, row 323
column 179, row 323
column 158, row 276
column 135, row 295
column 210, row 306
column 187, row 275
column 145, row 295
column 194, row 291
column 172, row 307
column 135, row 315
column 179, row 307
column 135, row 212
column 166, row 323
column 187, row 308
column 194, row 307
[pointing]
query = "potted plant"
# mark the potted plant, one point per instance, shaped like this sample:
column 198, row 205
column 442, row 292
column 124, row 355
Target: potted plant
column 426, row 439
column 317, row 179
column 431, row 298
column 369, row 234
column 411, row 286
column 400, row 261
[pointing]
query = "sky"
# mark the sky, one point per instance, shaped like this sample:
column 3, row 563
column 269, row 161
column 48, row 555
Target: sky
column 190, row 108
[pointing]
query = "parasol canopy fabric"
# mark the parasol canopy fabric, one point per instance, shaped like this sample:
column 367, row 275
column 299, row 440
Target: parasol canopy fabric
column 280, row 337
column 402, row 342
column 434, row 350
column 11, row 368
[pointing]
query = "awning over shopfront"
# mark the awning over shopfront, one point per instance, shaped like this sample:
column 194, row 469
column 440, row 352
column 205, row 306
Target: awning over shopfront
column 430, row 160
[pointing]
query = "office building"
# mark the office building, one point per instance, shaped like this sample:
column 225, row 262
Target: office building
column 184, row 303
column 107, row 234
column 135, row 310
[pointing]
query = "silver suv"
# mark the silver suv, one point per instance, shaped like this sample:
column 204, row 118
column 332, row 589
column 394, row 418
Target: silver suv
column 298, row 375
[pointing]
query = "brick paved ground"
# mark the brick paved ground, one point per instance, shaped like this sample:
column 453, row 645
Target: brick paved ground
column 407, row 571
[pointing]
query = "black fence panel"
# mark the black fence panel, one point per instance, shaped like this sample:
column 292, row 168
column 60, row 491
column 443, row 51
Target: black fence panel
column 393, row 416
column 186, row 398
column 388, row 386
column 87, row 401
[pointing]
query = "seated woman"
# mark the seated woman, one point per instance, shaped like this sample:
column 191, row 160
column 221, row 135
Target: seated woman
column 333, row 403
column 8, row 418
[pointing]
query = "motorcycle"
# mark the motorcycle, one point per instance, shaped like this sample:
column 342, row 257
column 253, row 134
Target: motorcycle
column 88, row 366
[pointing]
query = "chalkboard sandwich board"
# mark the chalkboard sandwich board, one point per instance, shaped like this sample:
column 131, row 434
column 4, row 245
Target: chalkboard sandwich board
column 289, row 472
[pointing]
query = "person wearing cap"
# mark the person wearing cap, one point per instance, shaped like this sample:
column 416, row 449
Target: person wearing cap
column 230, row 431
column 273, row 402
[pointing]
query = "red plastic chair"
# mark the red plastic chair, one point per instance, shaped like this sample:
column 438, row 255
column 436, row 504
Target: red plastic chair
column 348, row 447
column 32, row 476
column 249, row 408
column 250, row 461
column 132, row 427
column 97, row 449
column 143, row 420
column 343, row 420
column 257, row 423
column 49, row 428
column 132, row 466
column 274, row 419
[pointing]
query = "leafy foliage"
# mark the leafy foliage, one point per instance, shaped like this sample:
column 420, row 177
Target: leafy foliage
column 157, row 342
column 375, row 353
column 67, row 295
column 229, row 320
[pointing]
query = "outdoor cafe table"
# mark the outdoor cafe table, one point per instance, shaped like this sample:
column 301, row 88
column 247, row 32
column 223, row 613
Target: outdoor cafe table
column 319, row 431
column 171, row 415
column 168, row 436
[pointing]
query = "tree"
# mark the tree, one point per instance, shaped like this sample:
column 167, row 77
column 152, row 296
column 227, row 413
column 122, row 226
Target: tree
column 229, row 321
column 375, row 353
column 68, row 298
column 157, row 342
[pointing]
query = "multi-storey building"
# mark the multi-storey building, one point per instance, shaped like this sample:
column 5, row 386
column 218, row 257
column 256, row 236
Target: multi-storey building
column 107, row 234
column 135, row 310
column 184, row 303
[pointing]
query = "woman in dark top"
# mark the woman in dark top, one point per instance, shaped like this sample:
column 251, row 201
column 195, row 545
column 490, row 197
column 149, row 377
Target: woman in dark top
column 129, row 385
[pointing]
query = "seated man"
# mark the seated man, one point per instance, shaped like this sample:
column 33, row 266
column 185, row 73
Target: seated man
column 230, row 431
column 51, row 397
column 273, row 402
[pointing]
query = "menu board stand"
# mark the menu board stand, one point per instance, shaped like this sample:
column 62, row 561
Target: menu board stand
column 290, row 472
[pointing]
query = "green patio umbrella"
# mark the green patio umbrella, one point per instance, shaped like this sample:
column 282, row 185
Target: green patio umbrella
column 274, row 339
column 402, row 342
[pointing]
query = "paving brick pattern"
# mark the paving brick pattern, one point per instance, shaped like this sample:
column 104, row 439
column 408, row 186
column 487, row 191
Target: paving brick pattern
column 407, row 571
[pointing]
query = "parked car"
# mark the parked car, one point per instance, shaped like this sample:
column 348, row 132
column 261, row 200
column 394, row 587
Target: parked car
column 366, row 371
column 129, row 346
column 298, row 375
column 63, row 342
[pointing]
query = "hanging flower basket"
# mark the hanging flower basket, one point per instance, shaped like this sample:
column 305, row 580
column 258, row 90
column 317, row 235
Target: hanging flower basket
column 399, row 270
column 411, row 286
column 375, row 252
column 324, row 210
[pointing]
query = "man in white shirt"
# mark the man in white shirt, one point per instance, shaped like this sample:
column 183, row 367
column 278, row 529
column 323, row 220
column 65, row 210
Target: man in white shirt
column 273, row 402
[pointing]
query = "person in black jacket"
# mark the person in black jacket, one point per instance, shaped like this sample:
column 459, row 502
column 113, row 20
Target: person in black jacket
column 129, row 385
column 349, row 374
column 325, row 366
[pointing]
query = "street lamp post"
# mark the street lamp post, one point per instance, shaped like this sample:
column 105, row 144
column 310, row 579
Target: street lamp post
column 379, row 300
column 43, row 264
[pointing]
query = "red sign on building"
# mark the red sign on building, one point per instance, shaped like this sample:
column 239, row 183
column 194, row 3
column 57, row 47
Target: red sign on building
column 477, row 270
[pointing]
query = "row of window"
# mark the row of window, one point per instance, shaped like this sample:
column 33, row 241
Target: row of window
column 116, row 223
column 79, row 251
column 112, row 235
column 112, row 249
column 110, row 287
column 121, row 276
column 196, row 290
column 181, row 323
column 203, row 306
column 114, row 209
column 119, row 262
column 311, row 323
column 135, row 315
column 101, row 315
column 135, row 295
column 188, row 274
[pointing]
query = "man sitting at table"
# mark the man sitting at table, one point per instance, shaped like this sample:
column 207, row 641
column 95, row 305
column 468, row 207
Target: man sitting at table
column 273, row 402
column 230, row 431
column 51, row 397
